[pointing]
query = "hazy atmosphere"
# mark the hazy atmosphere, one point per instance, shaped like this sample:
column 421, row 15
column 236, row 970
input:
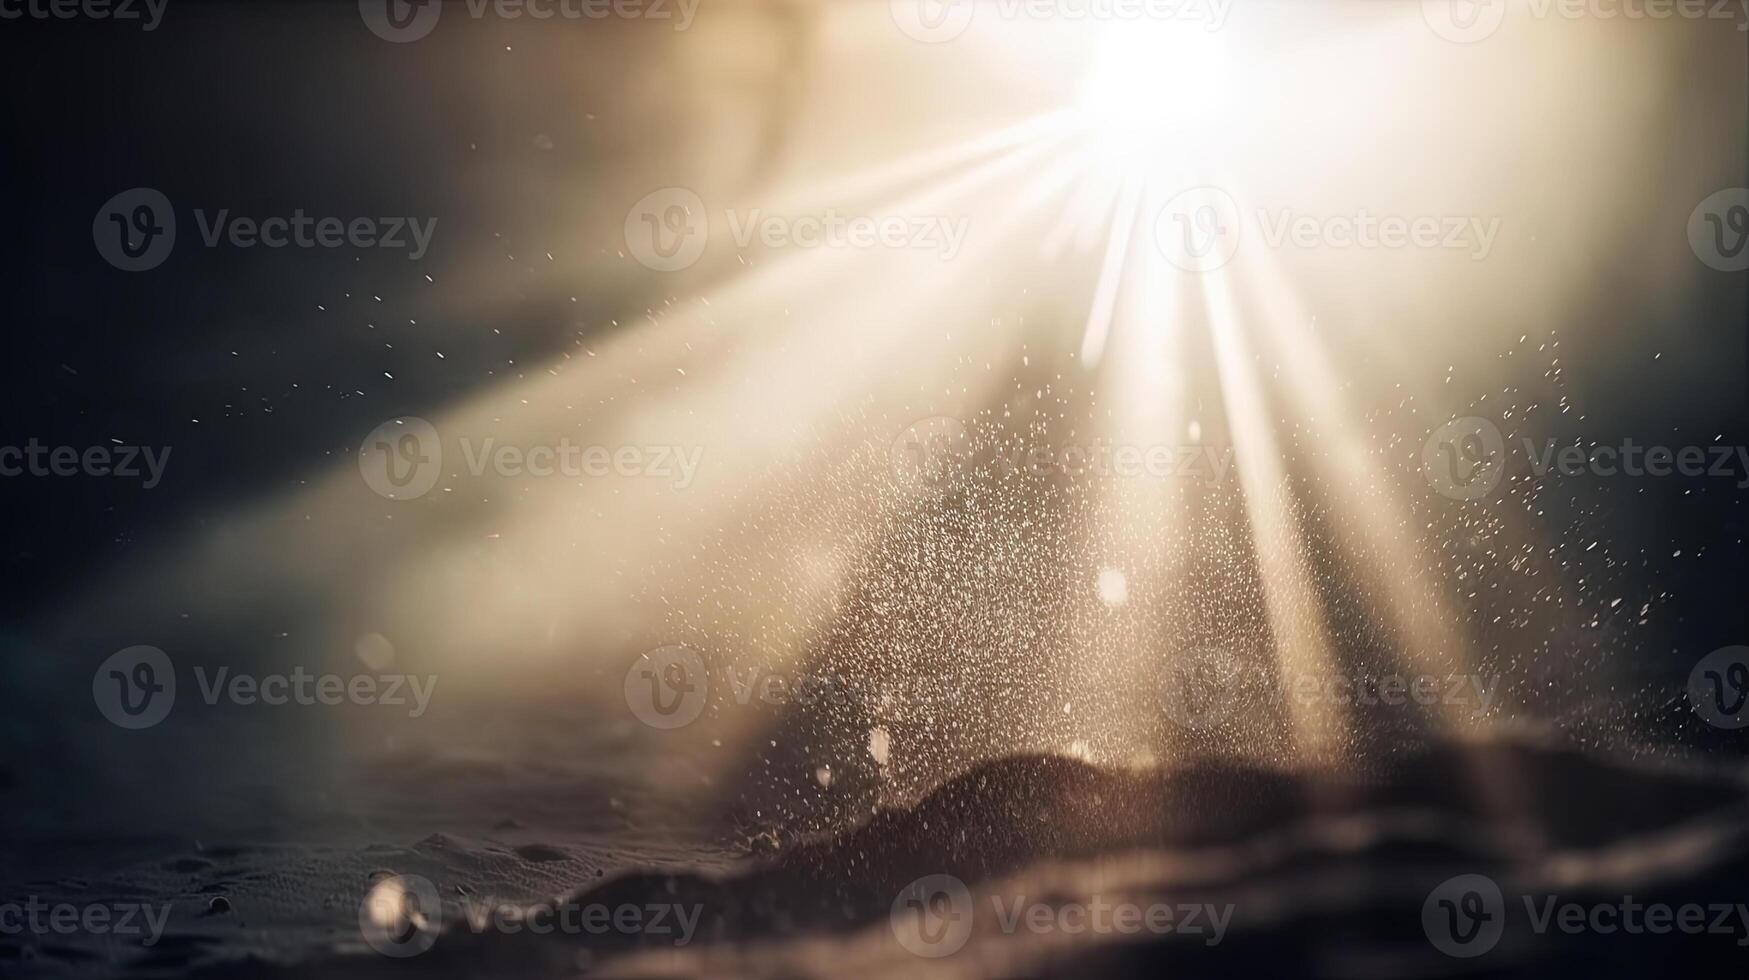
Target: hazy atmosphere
column 964, row 488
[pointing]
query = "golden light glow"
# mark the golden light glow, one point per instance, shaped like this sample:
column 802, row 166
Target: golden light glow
column 1152, row 86
column 1060, row 319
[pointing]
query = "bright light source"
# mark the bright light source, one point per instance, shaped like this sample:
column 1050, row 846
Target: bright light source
column 1113, row 587
column 1149, row 84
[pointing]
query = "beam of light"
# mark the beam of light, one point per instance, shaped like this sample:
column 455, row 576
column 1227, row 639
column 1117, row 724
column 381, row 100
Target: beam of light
column 481, row 580
column 1117, row 250
column 1390, row 554
column 1296, row 620
column 1140, row 531
column 789, row 366
column 1040, row 130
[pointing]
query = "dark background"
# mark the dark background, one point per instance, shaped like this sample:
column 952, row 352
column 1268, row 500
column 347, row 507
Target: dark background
column 266, row 108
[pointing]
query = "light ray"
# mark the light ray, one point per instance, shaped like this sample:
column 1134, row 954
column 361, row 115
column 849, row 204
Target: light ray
column 1297, row 626
column 1117, row 250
